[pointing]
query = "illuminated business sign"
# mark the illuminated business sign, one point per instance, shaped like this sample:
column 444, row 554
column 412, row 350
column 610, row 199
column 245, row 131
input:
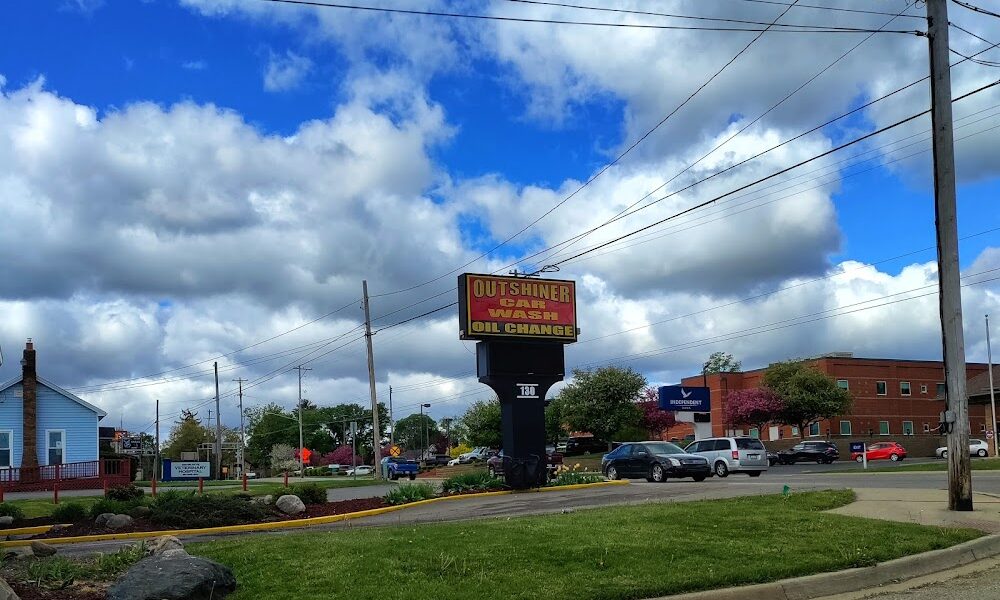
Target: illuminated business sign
column 684, row 398
column 491, row 307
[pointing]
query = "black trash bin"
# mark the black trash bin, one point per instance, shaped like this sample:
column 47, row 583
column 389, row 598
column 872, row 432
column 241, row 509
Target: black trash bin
column 524, row 473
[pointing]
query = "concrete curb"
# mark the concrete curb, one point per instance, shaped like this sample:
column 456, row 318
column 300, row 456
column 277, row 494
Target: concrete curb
column 853, row 580
column 293, row 523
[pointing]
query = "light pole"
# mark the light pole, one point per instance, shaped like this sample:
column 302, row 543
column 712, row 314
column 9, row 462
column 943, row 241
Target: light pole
column 423, row 429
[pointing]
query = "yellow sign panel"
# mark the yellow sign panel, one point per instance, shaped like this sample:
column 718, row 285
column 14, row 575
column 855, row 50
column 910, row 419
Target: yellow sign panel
column 395, row 451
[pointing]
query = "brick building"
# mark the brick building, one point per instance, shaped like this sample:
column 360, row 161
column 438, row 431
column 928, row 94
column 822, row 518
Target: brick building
column 892, row 398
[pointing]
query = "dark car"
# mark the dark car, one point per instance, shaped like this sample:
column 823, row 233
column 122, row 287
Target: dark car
column 553, row 460
column 772, row 458
column 437, row 460
column 817, row 452
column 585, row 445
column 656, row 461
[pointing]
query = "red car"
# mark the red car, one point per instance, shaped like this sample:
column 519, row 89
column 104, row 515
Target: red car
column 882, row 451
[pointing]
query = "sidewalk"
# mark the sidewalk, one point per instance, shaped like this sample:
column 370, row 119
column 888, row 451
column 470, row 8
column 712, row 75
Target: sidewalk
column 925, row 507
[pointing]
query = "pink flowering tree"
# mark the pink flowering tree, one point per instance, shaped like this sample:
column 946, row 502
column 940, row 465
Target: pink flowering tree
column 755, row 407
column 340, row 456
column 654, row 420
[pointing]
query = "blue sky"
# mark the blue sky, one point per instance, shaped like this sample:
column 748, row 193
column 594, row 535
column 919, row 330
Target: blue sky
column 359, row 146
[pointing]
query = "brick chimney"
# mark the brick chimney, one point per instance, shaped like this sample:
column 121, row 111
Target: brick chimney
column 29, row 383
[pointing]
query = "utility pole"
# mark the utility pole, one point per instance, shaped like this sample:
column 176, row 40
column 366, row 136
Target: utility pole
column 156, row 459
column 949, row 282
column 218, row 427
column 993, row 400
column 302, row 466
column 392, row 424
column 371, row 383
column 243, row 434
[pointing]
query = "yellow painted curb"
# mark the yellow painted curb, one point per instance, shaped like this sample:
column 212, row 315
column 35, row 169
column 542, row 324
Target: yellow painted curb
column 26, row 530
column 290, row 524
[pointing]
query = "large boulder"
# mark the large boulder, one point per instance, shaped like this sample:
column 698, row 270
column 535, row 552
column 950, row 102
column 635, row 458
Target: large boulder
column 6, row 593
column 102, row 519
column 41, row 549
column 175, row 577
column 6, row 521
column 290, row 504
column 162, row 544
column 119, row 522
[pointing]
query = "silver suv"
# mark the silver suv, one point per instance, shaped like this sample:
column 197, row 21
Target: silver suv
column 732, row 455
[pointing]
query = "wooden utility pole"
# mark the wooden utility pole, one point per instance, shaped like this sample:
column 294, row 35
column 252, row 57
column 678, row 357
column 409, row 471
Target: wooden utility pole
column 993, row 400
column 243, row 433
column 218, row 427
column 302, row 465
column 156, row 455
column 376, row 441
column 392, row 424
column 949, row 282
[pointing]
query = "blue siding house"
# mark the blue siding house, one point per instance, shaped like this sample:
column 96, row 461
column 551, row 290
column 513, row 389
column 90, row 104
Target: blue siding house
column 66, row 427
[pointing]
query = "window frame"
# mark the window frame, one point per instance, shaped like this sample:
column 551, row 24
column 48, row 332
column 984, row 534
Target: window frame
column 847, row 384
column 850, row 428
column 885, row 388
column 10, row 448
column 927, row 427
column 909, row 389
column 49, row 448
column 923, row 388
column 888, row 429
column 754, row 433
column 941, row 389
column 816, row 426
column 913, row 430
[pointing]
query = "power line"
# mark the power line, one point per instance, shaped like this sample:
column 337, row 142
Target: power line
column 976, row 8
column 831, row 8
column 481, row 17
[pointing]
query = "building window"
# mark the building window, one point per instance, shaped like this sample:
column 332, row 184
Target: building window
column 927, row 427
column 845, row 428
column 908, row 427
column 883, row 427
column 843, row 384
column 814, row 430
column 57, row 443
column 6, row 444
column 795, row 431
column 941, row 389
column 982, row 427
column 755, row 433
column 904, row 388
column 880, row 388
column 923, row 388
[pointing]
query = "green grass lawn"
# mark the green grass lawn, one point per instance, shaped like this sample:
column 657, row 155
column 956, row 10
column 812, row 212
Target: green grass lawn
column 608, row 553
column 978, row 464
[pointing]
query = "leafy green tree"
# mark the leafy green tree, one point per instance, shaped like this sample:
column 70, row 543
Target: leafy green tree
column 185, row 435
column 266, row 426
column 554, row 427
column 603, row 401
column 722, row 362
column 808, row 395
column 416, row 431
column 482, row 421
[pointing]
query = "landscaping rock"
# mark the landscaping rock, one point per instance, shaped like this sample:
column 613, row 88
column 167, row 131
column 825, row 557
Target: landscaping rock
column 162, row 544
column 6, row 521
column 119, row 522
column 268, row 499
column 41, row 549
column 290, row 504
column 102, row 519
column 140, row 512
column 161, row 577
column 6, row 593
column 17, row 553
column 174, row 552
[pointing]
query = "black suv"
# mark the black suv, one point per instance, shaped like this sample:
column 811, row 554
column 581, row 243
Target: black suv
column 817, row 452
column 585, row 445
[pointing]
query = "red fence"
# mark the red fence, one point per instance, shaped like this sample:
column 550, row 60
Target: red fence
column 92, row 475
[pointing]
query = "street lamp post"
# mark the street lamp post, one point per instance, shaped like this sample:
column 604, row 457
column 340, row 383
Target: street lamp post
column 423, row 430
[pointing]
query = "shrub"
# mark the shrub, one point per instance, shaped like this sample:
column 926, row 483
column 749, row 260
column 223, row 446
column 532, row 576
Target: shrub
column 118, row 507
column 573, row 478
column 69, row 512
column 459, row 449
column 125, row 493
column 410, row 492
column 180, row 509
column 472, row 482
column 11, row 510
column 310, row 493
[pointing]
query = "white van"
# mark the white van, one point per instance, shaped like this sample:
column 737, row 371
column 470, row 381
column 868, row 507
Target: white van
column 732, row 455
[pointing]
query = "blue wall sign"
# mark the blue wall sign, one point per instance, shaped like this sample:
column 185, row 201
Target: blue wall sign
column 857, row 446
column 684, row 398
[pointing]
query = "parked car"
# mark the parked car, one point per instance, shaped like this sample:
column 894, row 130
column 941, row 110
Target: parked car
column 475, row 455
column 732, row 455
column 656, row 461
column 360, row 470
column 394, row 468
column 976, row 448
column 817, row 452
column 454, row 462
column 772, row 458
column 882, row 451
column 584, row 445
column 437, row 460
column 553, row 460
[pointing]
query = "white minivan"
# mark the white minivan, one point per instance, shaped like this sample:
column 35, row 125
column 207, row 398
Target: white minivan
column 732, row 455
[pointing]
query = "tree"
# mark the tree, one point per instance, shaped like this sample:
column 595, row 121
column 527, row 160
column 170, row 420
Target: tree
column 415, row 431
column 185, row 435
column 483, row 423
column 282, row 458
column 756, row 407
column 808, row 394
column 266, row 426
column 654, row 420
column 554, row 426
column 341, row 456
column 603, row 401
column 721, row 362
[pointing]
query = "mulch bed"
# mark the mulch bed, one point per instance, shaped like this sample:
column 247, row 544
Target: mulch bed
column 74, row 592
column 312, row 510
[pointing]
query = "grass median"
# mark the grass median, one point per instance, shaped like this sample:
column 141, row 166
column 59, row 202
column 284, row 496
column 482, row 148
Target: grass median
column 608, row 553
column 978, row 464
